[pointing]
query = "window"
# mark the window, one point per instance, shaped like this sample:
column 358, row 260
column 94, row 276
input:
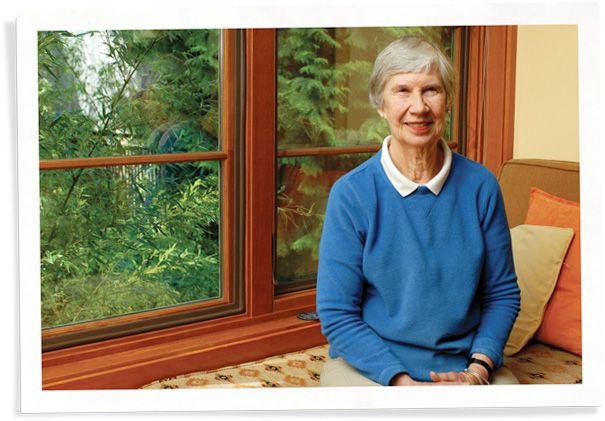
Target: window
column 326, row 127
column 136, row 183
column 191, row 229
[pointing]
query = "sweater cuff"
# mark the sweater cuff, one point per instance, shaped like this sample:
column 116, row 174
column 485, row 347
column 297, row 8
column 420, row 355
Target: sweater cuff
column 388, row 373
column 490, row 348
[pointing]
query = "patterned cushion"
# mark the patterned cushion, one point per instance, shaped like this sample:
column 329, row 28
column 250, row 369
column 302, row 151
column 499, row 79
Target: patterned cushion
column 299, row 369
column 536, row 363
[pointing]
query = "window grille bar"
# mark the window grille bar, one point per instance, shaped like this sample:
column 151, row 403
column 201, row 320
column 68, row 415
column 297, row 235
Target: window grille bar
column 329, row 150
column 62, row 164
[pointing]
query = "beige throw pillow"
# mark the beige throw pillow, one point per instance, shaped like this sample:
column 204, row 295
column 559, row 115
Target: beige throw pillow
column 538, row 252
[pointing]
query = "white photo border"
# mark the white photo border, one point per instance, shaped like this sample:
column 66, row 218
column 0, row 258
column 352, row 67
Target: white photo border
column 589, row 393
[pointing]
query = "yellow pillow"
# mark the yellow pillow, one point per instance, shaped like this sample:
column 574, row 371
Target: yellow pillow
column 538, row 252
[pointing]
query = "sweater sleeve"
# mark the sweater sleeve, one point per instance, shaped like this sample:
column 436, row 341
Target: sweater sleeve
column 499, row 292
column 340, row 286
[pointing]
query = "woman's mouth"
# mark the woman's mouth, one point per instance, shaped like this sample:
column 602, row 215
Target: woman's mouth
column 420, row 127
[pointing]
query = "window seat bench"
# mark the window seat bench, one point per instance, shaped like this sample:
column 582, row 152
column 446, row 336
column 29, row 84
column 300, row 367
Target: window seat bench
column 535, row 364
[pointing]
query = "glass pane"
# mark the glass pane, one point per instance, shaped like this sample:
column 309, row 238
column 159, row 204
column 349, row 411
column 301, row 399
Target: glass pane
column 110, row 93
column 322, row 96
column 304, row 184
column 119, row 240
column 323, row 79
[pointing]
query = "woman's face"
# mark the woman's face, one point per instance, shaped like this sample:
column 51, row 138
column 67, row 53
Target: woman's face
column 414, row 105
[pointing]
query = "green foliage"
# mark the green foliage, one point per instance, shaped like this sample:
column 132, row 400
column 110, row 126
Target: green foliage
column 322, row 101
column 118, row 240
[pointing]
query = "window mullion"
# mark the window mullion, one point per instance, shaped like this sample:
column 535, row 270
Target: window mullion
column 260, row 168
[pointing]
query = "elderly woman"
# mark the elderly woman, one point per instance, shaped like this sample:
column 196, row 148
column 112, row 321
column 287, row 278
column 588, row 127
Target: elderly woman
column 416, row 284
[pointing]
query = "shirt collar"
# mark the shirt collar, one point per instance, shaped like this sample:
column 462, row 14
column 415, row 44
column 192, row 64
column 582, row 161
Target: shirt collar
column 404, row 185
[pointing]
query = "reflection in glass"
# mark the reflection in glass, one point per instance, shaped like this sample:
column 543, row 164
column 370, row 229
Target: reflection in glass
column 118, row 240
column 304, row 184
column 111, row 93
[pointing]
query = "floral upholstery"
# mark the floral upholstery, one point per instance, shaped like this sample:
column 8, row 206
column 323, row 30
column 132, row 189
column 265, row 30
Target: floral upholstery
column 536, row 363
column 298, row 369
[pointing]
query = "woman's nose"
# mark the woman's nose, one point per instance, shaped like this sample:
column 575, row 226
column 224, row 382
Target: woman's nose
column 417, row 104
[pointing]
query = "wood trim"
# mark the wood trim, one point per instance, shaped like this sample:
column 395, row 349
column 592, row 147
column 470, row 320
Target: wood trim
column 508, row 130
column 229, row 118
column 456, row 102
column 110, row 161
column 143, row 340
column 491, row 94
column 137, row 317
column 164, row 336
column 260, row 168
column 290, row 300
column 327, row 150
column 475, row 88
column 499, row 96
column 134, row 363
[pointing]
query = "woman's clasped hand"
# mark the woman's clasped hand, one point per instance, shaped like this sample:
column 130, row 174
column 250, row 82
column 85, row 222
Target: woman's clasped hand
column 451, row 378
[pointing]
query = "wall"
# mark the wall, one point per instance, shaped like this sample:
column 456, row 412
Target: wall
column 546, row 97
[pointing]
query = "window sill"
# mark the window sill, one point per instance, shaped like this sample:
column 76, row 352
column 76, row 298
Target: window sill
column 130, row 362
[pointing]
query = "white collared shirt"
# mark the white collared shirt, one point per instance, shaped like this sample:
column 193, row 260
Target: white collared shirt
column 404, row 185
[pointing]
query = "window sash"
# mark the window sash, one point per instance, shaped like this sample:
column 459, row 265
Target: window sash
column 459, row 59
column 231, row 194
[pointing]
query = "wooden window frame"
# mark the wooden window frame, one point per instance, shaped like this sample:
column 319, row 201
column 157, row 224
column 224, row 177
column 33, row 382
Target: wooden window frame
column 268, row 325
column 490, row 119
column 231, row 300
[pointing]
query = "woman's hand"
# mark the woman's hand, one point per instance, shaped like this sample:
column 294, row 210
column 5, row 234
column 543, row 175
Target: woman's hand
column 450, row 378
column 437, row 379
column 405, row 380
column 454, row 378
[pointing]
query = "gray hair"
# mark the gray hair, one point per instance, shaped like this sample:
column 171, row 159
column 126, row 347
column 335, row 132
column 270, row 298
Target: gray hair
column 410, row 54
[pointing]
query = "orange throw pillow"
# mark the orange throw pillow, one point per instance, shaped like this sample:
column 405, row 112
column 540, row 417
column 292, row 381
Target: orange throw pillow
column 562, row 323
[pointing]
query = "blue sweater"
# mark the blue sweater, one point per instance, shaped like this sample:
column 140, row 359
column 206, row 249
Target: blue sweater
column 417, row 283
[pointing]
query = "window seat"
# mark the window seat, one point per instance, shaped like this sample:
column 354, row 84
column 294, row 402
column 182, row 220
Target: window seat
column 535, row 364
column 295, row 369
